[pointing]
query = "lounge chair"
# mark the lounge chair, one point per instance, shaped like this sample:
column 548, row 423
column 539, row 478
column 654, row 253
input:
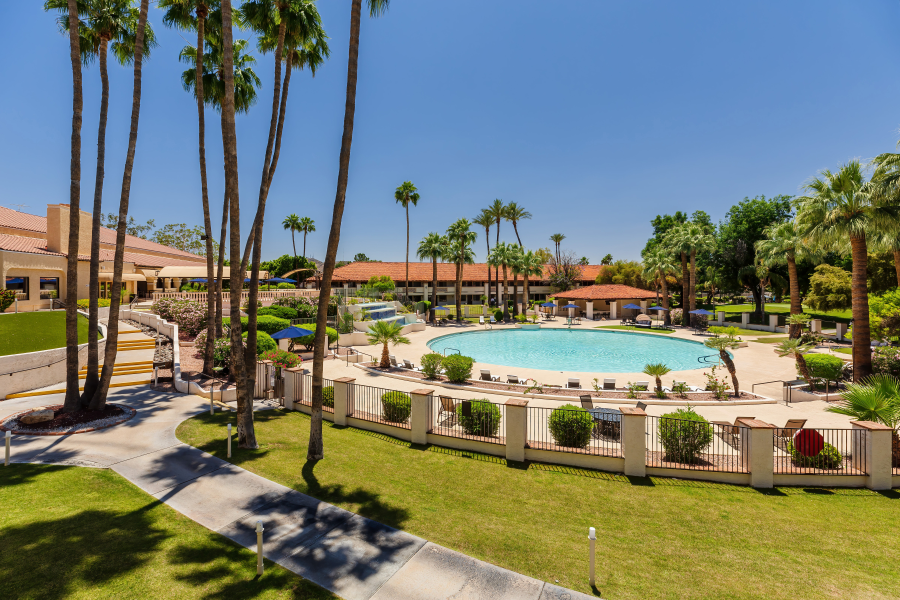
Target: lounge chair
column 643, row 321
column 586, row 402
column 609, row 384
column 728, row 432
column 447, row 406
column 393, row 360
column 486, row 375
column 409, row 365
column 642, row 384
column 513, row 379
column 481, row 320
column 493, row 320
column 574, row 383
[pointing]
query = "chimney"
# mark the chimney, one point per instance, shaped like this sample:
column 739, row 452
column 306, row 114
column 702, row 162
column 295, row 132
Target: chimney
column 58, row 229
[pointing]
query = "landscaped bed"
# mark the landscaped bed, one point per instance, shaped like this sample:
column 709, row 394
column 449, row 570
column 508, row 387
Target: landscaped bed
column 657, row 538
column 36, row 331
column 62, row 423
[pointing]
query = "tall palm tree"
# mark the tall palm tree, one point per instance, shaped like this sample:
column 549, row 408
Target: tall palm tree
column 497, row 210
column 432, row 248
column 658, row 264
column 678, row 241
column 886, row 183
column 406, row 194
column 531, row 265
column 795, row 349
column 386, row 332
column 98, row 401
column 486, row 220
column 785, row 245
column 697, row 239
column 514, row 214
column 516, row 253
column 292, row 222
column 376, row 8
column 103, row 24
column 557, row 239
column 461, row 238
column 839, row 206
column 307, row 226
column 502, row 256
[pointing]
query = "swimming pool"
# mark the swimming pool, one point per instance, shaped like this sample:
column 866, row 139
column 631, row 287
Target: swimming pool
column 575, row 350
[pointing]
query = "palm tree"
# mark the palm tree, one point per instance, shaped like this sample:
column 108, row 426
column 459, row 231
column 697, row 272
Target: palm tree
column 796, row 349
column 514, row 214
column 515, row 260
column 460, row 238
column 503, row 256
column 307, row 225
column 886, row 182
column 785, row 246
column 697, row 239
column 678, row 241
column 657, row 370
column 723, row 344
column 98, row 401
column 376, row 8
column 531, row 265
column 386, row 332
column 875, row 399
column 486, row 220
column 406, row 194
column 103, row 24
column 432, row 248
column 658, row 264
column 497, row 210
column 557, row 239
column 292, row 222
column 842, row 206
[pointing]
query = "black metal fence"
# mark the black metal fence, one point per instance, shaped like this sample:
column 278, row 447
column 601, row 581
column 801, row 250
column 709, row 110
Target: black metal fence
column 697, row 445
column 480, row 420
column 327, row 393
column 820, row 451
column 573, row 430
column 379, row 405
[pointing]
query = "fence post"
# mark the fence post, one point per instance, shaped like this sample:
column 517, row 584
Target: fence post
column 745, row 320
column 343, row 399
column 720, row 317
column 840, row 330
column 773, row 322
column 292, row 386
column 634, row 442
column 872, row 453
column 815, row 326
column 420, row 415
column 516, row 429
column 761, row 450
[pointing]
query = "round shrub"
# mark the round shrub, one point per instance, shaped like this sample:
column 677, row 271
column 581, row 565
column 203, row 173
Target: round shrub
column 498, row 315
column 431, row 364
column 823, row 367
column 457, row 368
column 282, row 312
column 284, row 285
column 281, row 358
column 265, row 323
column 328, row 396
column 828, row 458
column 483, row 419
column 396, row 407
column 264, row 342
column 571, row 426
column 684, row 434
column 309, row 340
column 675, row 315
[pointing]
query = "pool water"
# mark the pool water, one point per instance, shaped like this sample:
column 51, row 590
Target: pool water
column 576, row 350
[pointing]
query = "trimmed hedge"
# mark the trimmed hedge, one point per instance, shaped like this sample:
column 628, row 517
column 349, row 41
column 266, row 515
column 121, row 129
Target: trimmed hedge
column 264, row 323
column 823, row 367
column 483, row 420
column 498, row 315
column 457, row 368
column 431, row 364
column 309, row 340
column 282, row 312
column 828, row 458
column 328, row 396
column 396, row 407
column 684, row 434
column 264, row 342
column 571, row 426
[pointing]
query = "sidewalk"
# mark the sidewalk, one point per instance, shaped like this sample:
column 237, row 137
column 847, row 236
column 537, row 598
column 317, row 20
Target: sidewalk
column 354, row 557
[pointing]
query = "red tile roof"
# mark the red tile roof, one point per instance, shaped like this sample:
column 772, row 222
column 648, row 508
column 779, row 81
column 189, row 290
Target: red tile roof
column 608, row 291
column 19, row 220
column 422, row 271
column 17, row 243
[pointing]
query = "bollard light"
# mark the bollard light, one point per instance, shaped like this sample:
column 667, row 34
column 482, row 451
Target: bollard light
column 229, row 440
column 592, row 539
column 211, row 405
column 259, row 548
column 8, row 437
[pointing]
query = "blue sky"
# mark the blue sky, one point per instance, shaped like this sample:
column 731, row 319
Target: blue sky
column 593, row 115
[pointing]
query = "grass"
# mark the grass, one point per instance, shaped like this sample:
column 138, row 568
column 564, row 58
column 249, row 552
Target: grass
column 844, row 351
column 659, row 538
column 636, row 329
column 72, row 532
column 34, row 331
column 772, row 340
column 781, row 308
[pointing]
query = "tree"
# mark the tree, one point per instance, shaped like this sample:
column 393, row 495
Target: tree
column 531, row 265
column 360, row 257
column 657, row 370
column 607, row 260
column 795, row 349
column 503, row 256
column 784, row 245
column 841, row 206
column 381, row 283
column 662, row 224
column 545, row 255
column 514, row 214
column 292, row 222
column 886, row 183
column 486, row 219
column 697, row 239
column 182, row 237
column 431, row 248
column 307, row 226
column 376, row 8
column 877, row 399
column 557, row 239
column 386, row 332
column 565, row 272
column 658, row 265
column 624, row 272
column 515, row 260
column 584, row 261
column 407, row 194
column 830, row 288
column 132, row 228
column 677, row 242
column 498, row 212
column 286, row 263
column 725, row 342
column 461, row 239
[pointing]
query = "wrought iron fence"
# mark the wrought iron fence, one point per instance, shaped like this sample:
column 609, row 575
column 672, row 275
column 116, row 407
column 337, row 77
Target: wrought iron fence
column 327, row 393
column 480, row 420
column 820, row 451
column 697, row 445
column 379, row 405
column 563, row 429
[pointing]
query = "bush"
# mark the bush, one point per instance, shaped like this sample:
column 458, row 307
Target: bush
column 7, row 297
column 675, row 315
column 264, row 342
column 457, row 368
column 571, row 426
column 823, row 367
column 264, row 323
column 82, row 304
column 328, row 396
column 246, row 305
column 483, row 419
column 396, row 407
column 828, row 458
column 431, row 364
column 684, row 434
column 189, row 315
column 284, row 285
column 498, row 315
column 308, row 340
column 886, row 360
column 281, row 312
column 281, row 358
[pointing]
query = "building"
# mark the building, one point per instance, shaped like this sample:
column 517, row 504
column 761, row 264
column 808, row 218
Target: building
column 607, row 300
column 33, row 251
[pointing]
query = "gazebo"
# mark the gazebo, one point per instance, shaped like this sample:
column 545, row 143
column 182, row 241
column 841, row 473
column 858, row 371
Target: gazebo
column 606, row 300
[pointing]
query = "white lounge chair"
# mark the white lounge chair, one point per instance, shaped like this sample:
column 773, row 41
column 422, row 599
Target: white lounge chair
column 486, row 375
column 574, row 383
column 513, row 379
column 493, row 320
column 393, row 360
column 409, row 365
column 643, row 384
column 481, row 320
column 609, row 384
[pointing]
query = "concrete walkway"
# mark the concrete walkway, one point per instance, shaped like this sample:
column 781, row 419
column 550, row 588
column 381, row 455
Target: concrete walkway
column 354, row 557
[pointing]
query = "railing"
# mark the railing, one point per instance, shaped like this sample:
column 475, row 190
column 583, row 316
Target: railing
column 575, row 431
column 245, row 294
column 478, row 420
column 820, row 451
column 379, row 405
column 306, row 393
column 705, row 359
column 446, row 349
column 697, row 445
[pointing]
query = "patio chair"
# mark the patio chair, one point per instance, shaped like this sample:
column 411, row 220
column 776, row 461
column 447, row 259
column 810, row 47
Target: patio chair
column 609, row 384
column 784, row 434
column 409, row 365
column 481, row 320
column 393, row 360
column 642, row 384
column 730, row 434
column 493, row 320
column 641, row 406
column 513, row 379
column 586, row 402
column 486, row 375
column 574, row 383
column 447, row 406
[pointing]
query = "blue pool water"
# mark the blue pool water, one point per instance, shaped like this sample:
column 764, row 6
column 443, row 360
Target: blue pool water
column 575, row 350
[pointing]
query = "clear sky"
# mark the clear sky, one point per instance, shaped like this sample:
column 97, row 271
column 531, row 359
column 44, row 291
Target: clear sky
column 593, row 115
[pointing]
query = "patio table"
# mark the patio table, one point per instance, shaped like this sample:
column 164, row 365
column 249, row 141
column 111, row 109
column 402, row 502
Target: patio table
column 607, row 421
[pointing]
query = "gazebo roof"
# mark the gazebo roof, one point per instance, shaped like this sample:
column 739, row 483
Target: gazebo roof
column 610, row 291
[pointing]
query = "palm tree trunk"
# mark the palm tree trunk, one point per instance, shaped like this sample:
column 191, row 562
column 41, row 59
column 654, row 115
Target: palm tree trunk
column 693, row 290
column 294, row 244
column 204, row 192
column 459, row 272
column 685, row 286
column 304, row 244
column 862, row 352
column 407, row 254
column 897, row 265
column 516, row 229
column 220, row 269
column 92, row 378
column 505, row 295
column 315, row 450
column 665, row 290
column 729, row 364
column 73, row 398
column 515, row 293
column 497, row 268
column 525, row 290
column 385, row 357
column 433, row 287
column 112, row 331
column 487, row 242
column 804, row 370
column 796, row 307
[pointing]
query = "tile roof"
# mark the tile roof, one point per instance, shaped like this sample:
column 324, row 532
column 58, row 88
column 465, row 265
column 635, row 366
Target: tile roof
column 19, row 220
column 610, row 291
column 17, row 243
column 422, row 271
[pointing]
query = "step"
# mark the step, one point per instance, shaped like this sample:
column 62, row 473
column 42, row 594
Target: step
column 81, row 389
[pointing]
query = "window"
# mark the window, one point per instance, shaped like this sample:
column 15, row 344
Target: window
column 20, row 285
column 49, row 288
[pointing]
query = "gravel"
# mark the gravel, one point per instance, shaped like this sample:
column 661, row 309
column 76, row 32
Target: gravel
column 79, row 422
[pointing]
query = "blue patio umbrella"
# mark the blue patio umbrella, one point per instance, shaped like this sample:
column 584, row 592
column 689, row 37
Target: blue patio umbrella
column 198, row 280
column 632, row 306
column 291, row 332
column 548, row 304
column 700, row 311
column 15, row 280
column 657, row 308
column 570, row 305
column 441, row 308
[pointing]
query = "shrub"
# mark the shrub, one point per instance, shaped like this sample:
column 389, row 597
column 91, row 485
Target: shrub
column 189, row 315
column 886, row 360
column 222, row 351
column 282, row 312
column 823, row 367
column 431, row 364
column 7, row 297
column 828, row 458
column 265, row 323
column 264, row 342
column 281, row 358
column 308, row 340
column 284, row 285
column 457, row 368
column 684, row 434
column 328, row 396
column 498, row 315
column 483, row 419
column 82, row 304
column 571, row 426
column 675, row 315
column 396, row 407
column 246, row 304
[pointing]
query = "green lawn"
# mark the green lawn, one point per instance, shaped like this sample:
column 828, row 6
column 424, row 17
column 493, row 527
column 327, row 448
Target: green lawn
column 781, row 308
column 637, row 329
column 72, row 532
column 658, row 538
column 772, row 340
column 34, row 331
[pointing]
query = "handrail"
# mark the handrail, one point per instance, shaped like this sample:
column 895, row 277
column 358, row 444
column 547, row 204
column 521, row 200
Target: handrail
column 704, row 359
column 445, row 351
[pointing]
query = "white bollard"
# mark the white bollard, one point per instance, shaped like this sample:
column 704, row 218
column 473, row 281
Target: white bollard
column 8, row 438
column 259, row 548
column 592, row 537
column 229, row 440
column 155, row 376
column 211, row 405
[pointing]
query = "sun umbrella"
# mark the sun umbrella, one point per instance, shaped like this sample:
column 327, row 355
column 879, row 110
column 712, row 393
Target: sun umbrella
column 633, row 306
column 549, row 304
column 570, row 305
column 657, row 308
column 291, row 332
column 15, row 280
column 441, row 308
column 198, row 280
column 700, row 311
column 280, row 280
